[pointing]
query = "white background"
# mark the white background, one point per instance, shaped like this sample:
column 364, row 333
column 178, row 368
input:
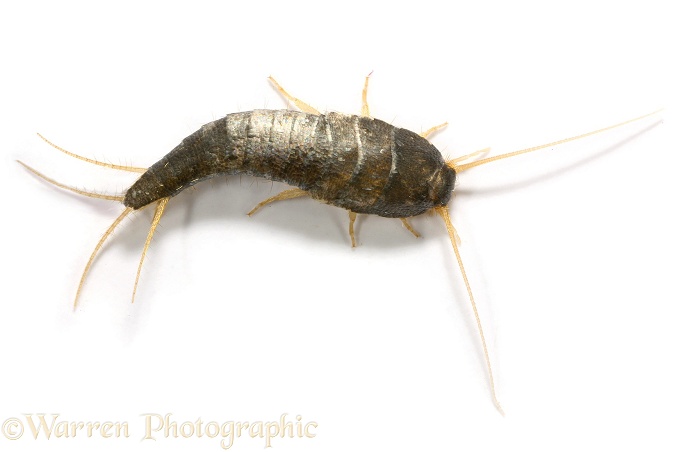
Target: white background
column 572, row 252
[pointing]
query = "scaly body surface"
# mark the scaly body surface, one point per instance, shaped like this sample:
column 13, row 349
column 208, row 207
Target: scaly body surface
column 358, row 163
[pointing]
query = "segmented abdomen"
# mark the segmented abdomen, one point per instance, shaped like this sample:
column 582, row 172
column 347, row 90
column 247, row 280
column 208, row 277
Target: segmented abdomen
column 358, row 163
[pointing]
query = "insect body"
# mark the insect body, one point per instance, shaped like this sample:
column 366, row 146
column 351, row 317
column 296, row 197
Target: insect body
column 358, row 163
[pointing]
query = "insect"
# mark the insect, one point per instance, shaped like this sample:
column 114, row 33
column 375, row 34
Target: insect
column 354, row 162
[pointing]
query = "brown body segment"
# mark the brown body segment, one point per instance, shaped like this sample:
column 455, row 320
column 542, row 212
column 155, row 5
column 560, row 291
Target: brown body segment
column 358, row 163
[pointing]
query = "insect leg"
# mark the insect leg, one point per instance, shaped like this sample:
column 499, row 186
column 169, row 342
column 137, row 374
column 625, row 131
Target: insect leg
column 298, row 103
column 365, row 110
column 160, row 207
column 431, row 130
column 132, row 169
column 286, row 194
column 409, row 227
column 352, row 220
column 106, row 235
column 73, row 189
column 443, row 212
